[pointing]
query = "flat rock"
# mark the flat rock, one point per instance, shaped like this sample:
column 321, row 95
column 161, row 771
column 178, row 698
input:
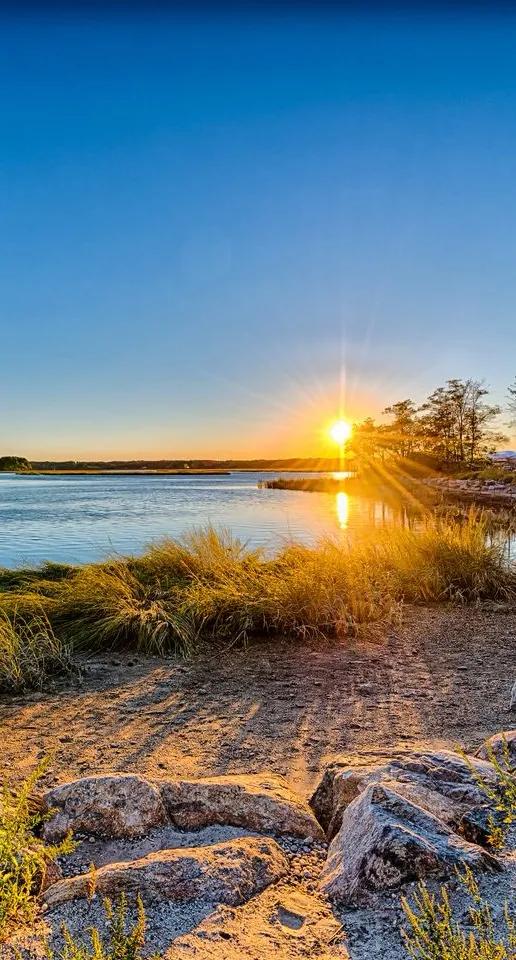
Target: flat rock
column 498, row 745
column 442, row 782
column 229, row 873
column 386, row 840
column 260, row 802
column 117, row 805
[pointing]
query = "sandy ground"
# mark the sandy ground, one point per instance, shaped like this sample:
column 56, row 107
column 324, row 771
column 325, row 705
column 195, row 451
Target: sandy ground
column 443, row 679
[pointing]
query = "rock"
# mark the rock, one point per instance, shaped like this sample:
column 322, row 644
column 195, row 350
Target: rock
column 227, row 873
column 477, row 824
column 279, row 923
column 386, row 840
column 340, row 784
column 261, row 802
column 500, row 744
column 442, row 782
column 512, row 702
column 118, row 805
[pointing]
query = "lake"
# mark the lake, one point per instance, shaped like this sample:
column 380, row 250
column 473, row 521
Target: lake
column 84, row 518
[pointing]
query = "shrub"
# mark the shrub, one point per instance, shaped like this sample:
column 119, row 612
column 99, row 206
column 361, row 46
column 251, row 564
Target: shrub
column 29, row 651
column 434, row 934
column 24, row 857
column 501, row 795
column 124, row 942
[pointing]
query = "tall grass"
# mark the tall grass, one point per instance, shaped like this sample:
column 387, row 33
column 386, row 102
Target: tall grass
column 445, row 561
column 209, row 588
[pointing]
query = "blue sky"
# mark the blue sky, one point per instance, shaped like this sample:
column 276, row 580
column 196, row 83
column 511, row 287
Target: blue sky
column 212, row 226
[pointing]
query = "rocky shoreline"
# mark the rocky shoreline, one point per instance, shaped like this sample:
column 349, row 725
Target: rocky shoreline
column 204, row 852
column 488, row 492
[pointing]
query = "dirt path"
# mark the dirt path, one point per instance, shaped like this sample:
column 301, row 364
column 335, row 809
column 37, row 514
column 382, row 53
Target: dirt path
column 444, row 679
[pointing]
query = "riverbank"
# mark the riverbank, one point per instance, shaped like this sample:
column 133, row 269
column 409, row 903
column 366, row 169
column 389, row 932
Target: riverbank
column 490, row 493
column 418, row 494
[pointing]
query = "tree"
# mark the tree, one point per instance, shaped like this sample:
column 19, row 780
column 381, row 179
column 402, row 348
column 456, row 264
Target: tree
column 14, row 464
column 403, row 429
column 455, row 423
column 478, row 417
column 437, row 424
column 512, row 403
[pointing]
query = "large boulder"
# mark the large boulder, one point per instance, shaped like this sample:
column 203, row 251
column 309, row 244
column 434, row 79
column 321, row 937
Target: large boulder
column 442, row 782
column 117, row 805
column 228, row 873
column 386, row 840
column 260, row 802
column 502, row 745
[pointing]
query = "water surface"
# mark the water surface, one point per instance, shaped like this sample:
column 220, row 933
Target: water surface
column 78, row 519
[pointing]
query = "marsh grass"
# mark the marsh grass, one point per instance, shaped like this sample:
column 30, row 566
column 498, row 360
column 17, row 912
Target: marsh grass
column 30, row 651
column 24, row 857
column 209, row 589
column 444, row 560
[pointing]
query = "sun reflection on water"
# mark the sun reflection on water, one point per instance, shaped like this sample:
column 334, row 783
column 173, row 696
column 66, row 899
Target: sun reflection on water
column 342, row 505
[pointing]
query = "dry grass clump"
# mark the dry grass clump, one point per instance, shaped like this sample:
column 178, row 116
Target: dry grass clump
column 209, row 586
column 108, row 605
column 30, row 651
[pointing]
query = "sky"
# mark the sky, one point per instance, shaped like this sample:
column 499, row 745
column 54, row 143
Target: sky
column 218, row 229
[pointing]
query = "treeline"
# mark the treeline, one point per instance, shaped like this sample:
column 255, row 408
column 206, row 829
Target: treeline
column 17, row 464
column 457, row 423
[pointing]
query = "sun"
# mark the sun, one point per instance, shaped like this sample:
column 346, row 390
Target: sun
column 340, row 431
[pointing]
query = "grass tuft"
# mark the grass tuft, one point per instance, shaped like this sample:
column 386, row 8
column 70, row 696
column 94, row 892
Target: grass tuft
column 434, row 933
column 124, row 942
column 30, row 651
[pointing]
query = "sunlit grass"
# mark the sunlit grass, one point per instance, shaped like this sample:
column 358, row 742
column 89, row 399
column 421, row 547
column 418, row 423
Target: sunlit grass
column 209, row 589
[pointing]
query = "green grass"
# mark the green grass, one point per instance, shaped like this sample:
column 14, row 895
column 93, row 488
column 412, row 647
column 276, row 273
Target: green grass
column 499, row 473
column 501, row 795
column 210, row 590
column 24, row 857
column 434, row 933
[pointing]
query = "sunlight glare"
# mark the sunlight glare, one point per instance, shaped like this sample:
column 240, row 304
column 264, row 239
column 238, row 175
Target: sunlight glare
column 342, row 510
column 340, row 431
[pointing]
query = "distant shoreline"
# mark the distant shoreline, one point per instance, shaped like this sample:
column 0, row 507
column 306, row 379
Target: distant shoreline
column 123, row 473
column 199, row 472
